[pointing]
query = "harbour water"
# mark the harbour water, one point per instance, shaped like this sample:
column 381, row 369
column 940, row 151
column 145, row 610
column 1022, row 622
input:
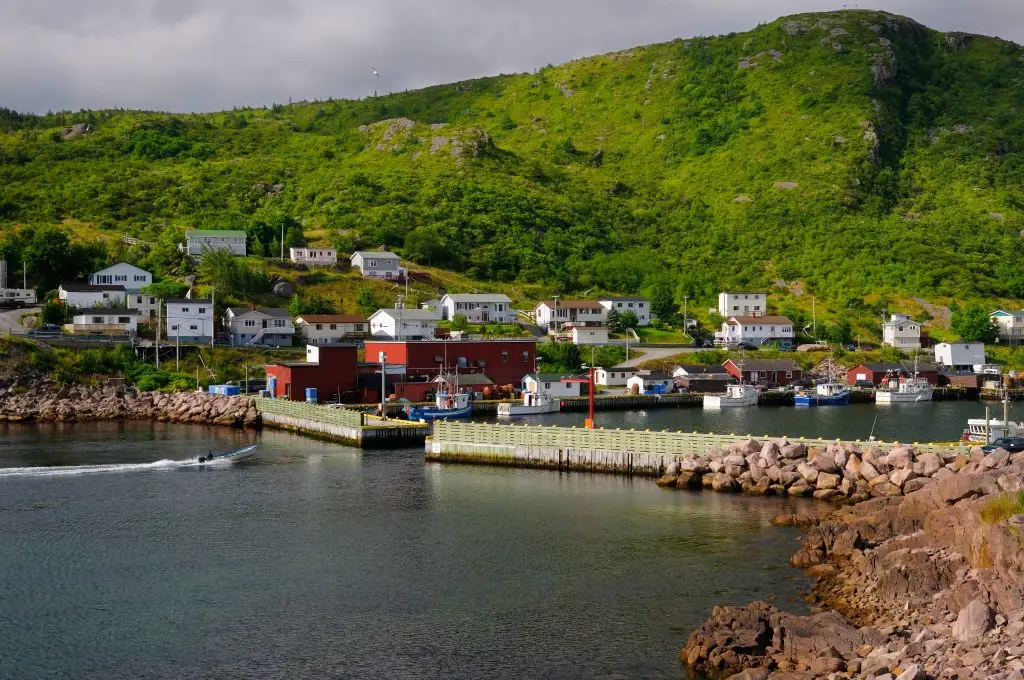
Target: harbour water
column 314, row 560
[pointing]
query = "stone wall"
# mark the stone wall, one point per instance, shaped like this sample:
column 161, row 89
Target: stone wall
column 49, row 403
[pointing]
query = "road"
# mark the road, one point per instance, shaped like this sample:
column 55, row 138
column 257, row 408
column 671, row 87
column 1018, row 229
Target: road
column 650, row 353
column 10, row 320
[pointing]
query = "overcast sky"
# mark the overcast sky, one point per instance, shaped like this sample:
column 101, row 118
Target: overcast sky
column 203, row 55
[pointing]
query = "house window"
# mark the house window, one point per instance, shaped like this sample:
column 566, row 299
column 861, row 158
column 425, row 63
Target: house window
column 358, row 327
column 334, row 326
column 789, row 374
column 202, row 310
column 123, row 319
column 640, row 305
column 526, row 357
column 319, row 327
column 184, row 310
column 278, row 323
column 105, row 296
column 194, row 327
column 250, row 323
column 174, row 328
column 547, row 386
column 97, row 319
column 504, row 357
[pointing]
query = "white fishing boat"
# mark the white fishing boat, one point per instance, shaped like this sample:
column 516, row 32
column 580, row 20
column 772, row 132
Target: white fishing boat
column 226, row 456
column 982, row 431
column 735, row 396
column 904, row 390
column 532, row 404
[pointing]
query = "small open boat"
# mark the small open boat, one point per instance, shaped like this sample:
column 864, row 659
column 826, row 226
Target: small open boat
column 237, row 454
column 446, row 406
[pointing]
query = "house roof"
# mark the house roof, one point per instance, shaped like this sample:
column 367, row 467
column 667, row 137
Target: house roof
column 85, row 288
column 127, row 264
column 636, row 298
column 692, row 369
column 332, row 318
column 707, row 376
column 203, row 233
column 654, row 375
column 767, row 364
column 185, row 301
column 120, row 311
column 374, row 253
column 411, row 314
column 479, row 297
column 881, row 368
column 548, row 377
column 760, row 320
column 572, row 304
column 276, row 312
column 577, row 327
column 464, row 379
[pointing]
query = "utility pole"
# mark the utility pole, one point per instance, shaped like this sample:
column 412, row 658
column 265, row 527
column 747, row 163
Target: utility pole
column 177, row 350
column 282, row 242
column 159, row 306
column 686, row 326
column 383, row 357
column 24, row 272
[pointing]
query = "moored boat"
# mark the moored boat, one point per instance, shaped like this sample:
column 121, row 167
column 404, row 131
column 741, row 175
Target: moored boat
column 735, row 396
column 825, row 394
column 532, row 404
column 445, row 406
column 904, row 390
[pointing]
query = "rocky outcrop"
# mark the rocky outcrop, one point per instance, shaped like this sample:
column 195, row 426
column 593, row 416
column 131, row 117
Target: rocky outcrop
column 83, row 403
column 928, row 584
column 841, row 473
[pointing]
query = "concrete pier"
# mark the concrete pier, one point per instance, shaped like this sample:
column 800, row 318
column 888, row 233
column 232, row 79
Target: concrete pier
column 341, row 425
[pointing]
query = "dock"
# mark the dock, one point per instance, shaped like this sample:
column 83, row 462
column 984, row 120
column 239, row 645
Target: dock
column 643, row 453
column 343, row 425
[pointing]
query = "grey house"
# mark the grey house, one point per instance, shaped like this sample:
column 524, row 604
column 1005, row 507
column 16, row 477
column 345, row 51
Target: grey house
column 259, row 326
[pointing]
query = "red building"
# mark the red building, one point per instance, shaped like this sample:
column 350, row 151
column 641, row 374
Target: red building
column 505, row 362
column 876, row 373
column 333, row 375
column 765, row 371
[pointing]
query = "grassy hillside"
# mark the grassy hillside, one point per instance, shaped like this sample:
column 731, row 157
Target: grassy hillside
column 858, row 152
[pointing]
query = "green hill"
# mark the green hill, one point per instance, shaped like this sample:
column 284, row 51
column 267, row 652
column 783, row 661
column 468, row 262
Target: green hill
column 856, row 151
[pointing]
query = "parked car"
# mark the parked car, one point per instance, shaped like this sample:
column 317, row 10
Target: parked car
column 746, row 345
column 850, row 347
column 1011, row 444
column 47, row 330
column 866, row 348
column 864, row 384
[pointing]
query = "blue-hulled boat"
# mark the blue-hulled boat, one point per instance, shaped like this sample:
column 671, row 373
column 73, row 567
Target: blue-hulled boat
column 825, row 394
column 446, row 406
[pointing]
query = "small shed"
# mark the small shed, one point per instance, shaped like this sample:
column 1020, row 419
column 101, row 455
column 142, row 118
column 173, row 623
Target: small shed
column 655, row 382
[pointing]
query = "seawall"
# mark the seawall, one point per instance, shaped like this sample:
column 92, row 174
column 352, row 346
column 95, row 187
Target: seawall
column 342, row 425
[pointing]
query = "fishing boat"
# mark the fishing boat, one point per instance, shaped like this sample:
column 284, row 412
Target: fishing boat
column 902, row 390
column 445, row 406
column 825, row 394
column 229, row 456
column 986, row 430
column 532, row 403
column 735, row 396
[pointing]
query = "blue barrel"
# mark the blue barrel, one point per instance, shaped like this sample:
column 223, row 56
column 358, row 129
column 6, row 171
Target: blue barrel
column 272, row 386
column 310, row 395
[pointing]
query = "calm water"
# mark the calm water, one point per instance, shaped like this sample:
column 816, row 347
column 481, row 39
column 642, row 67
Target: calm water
column 930, row 421
column 317, row 561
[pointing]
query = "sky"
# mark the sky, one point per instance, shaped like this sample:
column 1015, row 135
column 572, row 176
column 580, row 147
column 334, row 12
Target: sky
column 207, row 55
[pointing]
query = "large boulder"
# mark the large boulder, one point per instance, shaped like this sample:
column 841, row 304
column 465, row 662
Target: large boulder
column 900, row 457
column 927, row 464
column 973, row 621
column 793, row 451
column 808, row 472
column 827, row 480
column 722, row 482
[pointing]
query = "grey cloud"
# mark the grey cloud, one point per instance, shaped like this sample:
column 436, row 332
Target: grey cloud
column 199, row 55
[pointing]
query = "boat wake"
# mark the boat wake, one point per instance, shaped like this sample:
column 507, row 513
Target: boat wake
column 71, row 470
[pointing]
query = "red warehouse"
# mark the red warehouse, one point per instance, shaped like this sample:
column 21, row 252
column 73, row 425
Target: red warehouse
column 329, row 369
column 505, row 362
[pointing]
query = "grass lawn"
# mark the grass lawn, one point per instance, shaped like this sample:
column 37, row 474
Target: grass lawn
column 665, row 336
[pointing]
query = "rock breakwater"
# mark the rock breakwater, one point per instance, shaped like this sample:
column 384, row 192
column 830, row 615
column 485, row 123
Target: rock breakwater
column 84, row 403
column 839, row 472
column 925, row 584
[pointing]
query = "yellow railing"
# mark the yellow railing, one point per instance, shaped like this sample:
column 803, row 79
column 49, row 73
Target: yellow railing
column 322, row 414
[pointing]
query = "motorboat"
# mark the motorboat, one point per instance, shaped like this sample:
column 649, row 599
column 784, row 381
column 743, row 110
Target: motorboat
column 532, row 404
column 229, row 456
column 445, row 406
column 982, row 431
column 904, row 390
column 735, row 396
column 825, row 394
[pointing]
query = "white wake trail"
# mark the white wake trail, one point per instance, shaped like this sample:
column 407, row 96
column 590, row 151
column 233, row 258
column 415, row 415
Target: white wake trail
column 70, row 470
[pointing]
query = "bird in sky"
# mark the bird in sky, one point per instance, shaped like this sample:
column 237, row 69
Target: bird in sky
column 375, row 72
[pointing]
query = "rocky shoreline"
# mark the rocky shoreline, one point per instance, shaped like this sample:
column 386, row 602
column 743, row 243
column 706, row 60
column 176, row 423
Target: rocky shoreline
column 920, row 579
column 52, row 403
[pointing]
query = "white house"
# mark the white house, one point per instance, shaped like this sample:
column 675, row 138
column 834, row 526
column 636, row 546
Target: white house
column 403, row 324
column 148, row 305
column 960, row 356
column 81, row 296
column 479, row 307
column 1011, row 325
column 755, row 330
column 122, row 274
column 198, row 240
column 381, row 265
column 589, row 335
column 654, row 382
column 554, row 314
column 260, row 326
column 742, row 304
column 324, row 329
column 104, row 321
column 901, row 332
column 613, row 377
column 690, row 370
column 319, row 257
column 640, row 306
column 189, row 320
column 554, row 384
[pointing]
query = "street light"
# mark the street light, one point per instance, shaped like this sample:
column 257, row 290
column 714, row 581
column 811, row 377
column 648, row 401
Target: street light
column 589, row 424
column 383, row 358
